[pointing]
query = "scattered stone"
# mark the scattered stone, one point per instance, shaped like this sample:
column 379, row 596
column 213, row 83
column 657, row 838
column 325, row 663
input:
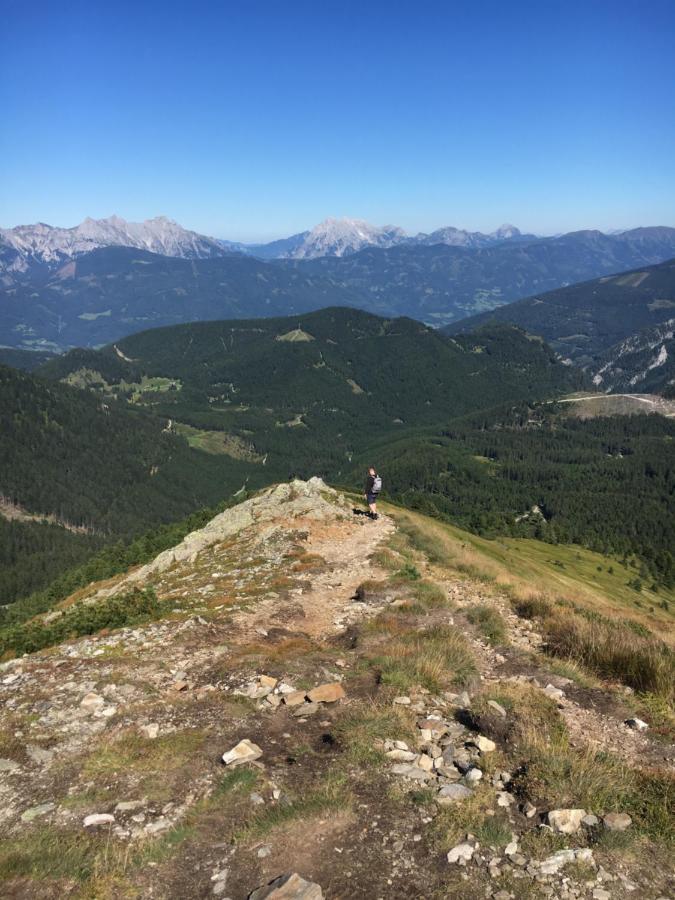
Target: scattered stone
column 9, row 765
column 498, row 708
column 150, row 731
column 130, row 805
column 179, row 686
column 39, row 755
column 425, row 762
column 485, row 745
column 463, row 700
column 35, row 811
column 326, row 693
column 264, row 852
column 505, row 799
column 267, row 681
column 401, row 755
column 553, row 692
column 590, row 821
column 461, row 854
column 96, row 819
column 637, row 724
column 601, row 894
column 294, row 698
column 473, row 776
column 92, row 702
column 553, row 864
column 410, row 771
column 245, row 751
column 288, row 887
column 617, row 821
column 530, row 810
column 566, row 821
column 307, row 709
column 452, row 793
column 402, row 701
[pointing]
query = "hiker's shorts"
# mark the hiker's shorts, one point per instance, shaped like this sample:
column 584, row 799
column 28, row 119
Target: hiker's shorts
column 371, row 498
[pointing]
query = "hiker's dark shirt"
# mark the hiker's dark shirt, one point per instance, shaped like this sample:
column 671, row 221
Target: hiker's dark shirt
column 370, row 481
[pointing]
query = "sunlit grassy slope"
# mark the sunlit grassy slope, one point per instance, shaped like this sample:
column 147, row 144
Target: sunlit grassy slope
column 527, row 567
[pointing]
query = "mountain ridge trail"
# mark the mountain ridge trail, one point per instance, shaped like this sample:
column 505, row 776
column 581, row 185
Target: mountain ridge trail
column 282, row 618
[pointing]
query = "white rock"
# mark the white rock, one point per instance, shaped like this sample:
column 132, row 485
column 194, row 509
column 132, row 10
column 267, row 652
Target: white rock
column 461, row 854
column 566, row 821
column 485, row 745
column 150, row 731
column 553, row 692
column 92, row 702
column 245, row 751
column 96, row 819
column 401, row 755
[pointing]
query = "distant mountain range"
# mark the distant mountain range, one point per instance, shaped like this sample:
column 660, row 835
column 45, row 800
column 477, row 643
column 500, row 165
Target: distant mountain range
column 40, row 244
column 102, row 280
column 620, row 328
column 29, row 245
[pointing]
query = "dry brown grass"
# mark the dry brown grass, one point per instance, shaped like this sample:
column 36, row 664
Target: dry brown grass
column 611, row 649
column 436, row 658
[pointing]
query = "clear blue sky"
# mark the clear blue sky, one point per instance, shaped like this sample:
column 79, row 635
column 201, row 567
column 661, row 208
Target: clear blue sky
column 253, row 120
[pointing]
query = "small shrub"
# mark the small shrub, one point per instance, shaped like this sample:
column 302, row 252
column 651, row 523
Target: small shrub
column 408, row 572
column 533, row 607
column 125, row 610
column 489, row 622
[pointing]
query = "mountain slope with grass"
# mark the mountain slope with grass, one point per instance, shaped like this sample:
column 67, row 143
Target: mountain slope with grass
column 376, row 708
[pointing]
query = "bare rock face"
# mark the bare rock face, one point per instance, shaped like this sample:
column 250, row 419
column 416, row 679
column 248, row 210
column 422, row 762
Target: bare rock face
column 566, row 821
column 288, row 887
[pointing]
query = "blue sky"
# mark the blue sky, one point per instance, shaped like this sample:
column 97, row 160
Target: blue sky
column 256, row 120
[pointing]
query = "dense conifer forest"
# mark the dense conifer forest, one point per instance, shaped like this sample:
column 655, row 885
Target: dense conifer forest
column 170, row 421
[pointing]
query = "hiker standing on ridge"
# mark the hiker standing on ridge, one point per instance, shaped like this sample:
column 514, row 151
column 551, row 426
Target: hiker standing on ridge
column 373, row 488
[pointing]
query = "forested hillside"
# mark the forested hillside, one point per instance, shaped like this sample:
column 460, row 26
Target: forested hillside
column 583, row 321
column 306, row 392
column 531, row 471
column 92, row 465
